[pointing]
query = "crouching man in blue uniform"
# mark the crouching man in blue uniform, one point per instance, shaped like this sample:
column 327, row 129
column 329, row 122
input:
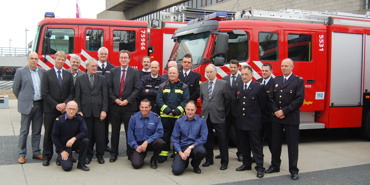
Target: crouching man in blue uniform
column 144, row 133
column 70, row 133
column 188, row 137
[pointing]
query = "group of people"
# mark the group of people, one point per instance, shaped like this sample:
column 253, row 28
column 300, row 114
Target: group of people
column 77, row 108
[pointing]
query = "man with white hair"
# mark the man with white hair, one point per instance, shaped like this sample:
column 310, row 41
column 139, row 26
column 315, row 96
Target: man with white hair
column 75, row 64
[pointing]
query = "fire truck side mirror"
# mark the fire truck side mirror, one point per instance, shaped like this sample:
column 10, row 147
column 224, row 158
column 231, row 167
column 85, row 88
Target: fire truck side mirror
column 239, row 32
column 221, row 44
column 219, row 61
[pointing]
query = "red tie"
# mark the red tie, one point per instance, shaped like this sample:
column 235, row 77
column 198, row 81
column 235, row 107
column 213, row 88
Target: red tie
column 122, row 83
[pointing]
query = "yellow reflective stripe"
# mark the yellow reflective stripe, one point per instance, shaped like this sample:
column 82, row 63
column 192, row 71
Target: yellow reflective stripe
column 163, row 107
column 168, row 116
column 166, row 90
column 181, row 109
column 164, row 153
column 178, row 91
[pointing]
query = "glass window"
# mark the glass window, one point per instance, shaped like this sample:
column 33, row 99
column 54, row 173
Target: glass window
column 94, row 39
column 299, row 47
column 124, row 40
column 61, row 40
column 268, row 46
column 238, row 47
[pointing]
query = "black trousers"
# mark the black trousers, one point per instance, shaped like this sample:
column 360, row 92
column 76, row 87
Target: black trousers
column 95, row 134
column 106, row 129
column 267, row 133
column 221, row 131
column 49, row 118
column 168, row 125
column 78, row 145
column 292, row 139
column 198, row 153
column 137, row 159
column 118, row 115
column 231, row 120
column 251, row 142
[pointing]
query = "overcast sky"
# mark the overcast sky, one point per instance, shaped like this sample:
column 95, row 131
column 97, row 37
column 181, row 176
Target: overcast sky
column 17, row 15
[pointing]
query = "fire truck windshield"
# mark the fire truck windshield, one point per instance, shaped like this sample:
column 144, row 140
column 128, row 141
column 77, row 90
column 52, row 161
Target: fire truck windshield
column 36, row 40
column 194, row 44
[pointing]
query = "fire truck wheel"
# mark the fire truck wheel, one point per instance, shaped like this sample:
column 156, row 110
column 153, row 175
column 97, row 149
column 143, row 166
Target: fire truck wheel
column 366, row 126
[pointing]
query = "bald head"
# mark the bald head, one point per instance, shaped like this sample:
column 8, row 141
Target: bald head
column 71, row 109
column 154, row 68
column 33, row 60
column 173, row 74
column 172, row 63
column 287, row 67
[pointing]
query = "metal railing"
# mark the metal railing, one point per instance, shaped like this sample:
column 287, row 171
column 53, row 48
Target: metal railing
column 14, row 52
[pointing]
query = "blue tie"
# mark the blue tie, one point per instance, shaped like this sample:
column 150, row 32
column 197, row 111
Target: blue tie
column 59, row 78
column 210, row 90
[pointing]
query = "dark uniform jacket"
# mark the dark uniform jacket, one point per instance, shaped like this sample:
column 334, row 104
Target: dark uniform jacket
column 289, row 97
column 251, row 103
column 53, row 93
column 172, row 96
column 193, row 80
column 64, row 129
column 143, row 73
column 267, row 115
column 91, row 100
column 233, row 106
column 106, row 71
column 147, row 82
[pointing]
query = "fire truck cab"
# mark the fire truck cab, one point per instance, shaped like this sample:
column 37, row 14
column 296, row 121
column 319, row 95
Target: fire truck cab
column 83, row 37
column 331, row 51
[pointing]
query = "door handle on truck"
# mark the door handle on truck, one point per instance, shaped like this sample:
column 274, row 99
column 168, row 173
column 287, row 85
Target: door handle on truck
column 310, row 81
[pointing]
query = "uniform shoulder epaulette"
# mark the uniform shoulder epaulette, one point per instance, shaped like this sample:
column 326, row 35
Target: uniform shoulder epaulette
column 200, row 82
column 261, row 83
column 57, row 119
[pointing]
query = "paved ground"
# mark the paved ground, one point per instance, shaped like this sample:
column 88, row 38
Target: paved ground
column 326, row 157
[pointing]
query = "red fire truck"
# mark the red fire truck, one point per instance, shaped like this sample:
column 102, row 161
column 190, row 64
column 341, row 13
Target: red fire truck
column 331, row 51
column 83, row 37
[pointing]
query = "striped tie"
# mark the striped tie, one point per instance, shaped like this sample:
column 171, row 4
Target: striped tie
column 210, row 90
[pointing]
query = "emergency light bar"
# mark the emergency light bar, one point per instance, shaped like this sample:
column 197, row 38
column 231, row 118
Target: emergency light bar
column 218, row 16
column 49, row 15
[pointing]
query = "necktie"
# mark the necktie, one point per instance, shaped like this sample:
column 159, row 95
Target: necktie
column 60, row 78
column 210, row 90
column 122, row 83
column 245, row 86
column 91, row 80
column 185, row 74
column 102, row 68
column 284, row 79
column 233, row 81
column 264, row 82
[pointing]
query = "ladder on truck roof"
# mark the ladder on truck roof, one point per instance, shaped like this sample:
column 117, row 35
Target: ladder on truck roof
column 296, row 15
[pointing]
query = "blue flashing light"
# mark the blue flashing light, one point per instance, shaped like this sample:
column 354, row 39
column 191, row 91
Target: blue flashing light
column 216, row 16
column 49, row 15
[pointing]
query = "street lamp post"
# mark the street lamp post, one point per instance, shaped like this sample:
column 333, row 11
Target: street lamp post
column 10, row 46
column 26, row 41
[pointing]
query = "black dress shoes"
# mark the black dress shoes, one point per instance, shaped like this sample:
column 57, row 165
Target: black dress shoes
column 45, row 162
column 272, row 170
column 113, row 159
column 197, row 170
column 294, row 176
column 83, row 167
column 260, row 174
column 88, row 160
column 223, row 167
column 100, row 159
column 207, row 163
column 243, row 167
column 153, row 164
column 218, row 156
column 57, row 162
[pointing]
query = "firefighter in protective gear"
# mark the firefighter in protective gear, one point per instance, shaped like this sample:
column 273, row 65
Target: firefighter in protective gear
column 171, row 99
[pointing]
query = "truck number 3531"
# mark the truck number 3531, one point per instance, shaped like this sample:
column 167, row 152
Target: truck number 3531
column 321, row 42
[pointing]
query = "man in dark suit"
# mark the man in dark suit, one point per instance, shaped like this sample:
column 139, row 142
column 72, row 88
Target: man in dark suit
column 190, row 78
column 268, row 81
column 57, row 90
column 92, row 98
column 215, row 96
column 233, row 79
column 104, row 67
column 27, row 89
column 286, row 98
column 251, row 101
column 75, row 64
column 124, row 87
